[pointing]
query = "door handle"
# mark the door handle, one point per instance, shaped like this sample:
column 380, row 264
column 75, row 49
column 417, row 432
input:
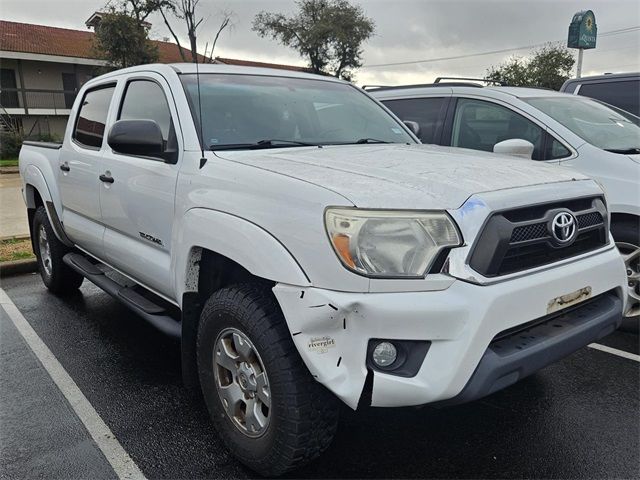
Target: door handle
column 65, row 167
column 106, row 178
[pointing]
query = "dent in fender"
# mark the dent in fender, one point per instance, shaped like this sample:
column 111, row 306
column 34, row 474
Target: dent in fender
column 324, row 335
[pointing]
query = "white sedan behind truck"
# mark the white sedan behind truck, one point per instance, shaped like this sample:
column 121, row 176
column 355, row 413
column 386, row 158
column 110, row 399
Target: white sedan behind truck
column 594, row 138
column 314, row 250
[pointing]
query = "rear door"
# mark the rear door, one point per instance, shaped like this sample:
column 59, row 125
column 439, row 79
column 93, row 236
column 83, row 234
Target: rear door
column 138, row 206
column 428, row 112
column 79, row 169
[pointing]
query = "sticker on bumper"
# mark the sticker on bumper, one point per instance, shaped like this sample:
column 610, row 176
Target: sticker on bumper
column 321, row 344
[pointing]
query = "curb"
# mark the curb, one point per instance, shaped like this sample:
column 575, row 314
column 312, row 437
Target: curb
column 8, row 170
column 16, row 267
column 26, row 236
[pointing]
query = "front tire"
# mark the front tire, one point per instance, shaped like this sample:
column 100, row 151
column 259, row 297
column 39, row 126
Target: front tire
column 272, row 415
column 56, row 275
column 627, row 237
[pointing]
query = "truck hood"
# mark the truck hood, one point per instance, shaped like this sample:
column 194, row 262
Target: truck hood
column 403, row 176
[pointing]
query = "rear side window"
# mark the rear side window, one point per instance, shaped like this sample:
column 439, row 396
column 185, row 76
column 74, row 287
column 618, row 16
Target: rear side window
column 145, row 100
column 555, row 150
column 623, row 94
column 428, row 113
column 92, row 117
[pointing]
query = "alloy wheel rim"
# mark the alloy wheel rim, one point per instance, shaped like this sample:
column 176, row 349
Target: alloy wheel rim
column 631, row 256
column 45, row 250
column 242, row 382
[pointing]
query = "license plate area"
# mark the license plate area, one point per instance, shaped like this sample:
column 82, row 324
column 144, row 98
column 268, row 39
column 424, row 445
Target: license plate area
column 568, row 300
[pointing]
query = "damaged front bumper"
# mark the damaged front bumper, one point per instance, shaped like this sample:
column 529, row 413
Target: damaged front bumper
column 331, row 330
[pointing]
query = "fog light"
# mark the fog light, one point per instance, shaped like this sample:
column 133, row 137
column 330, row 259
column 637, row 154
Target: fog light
column 384, row 354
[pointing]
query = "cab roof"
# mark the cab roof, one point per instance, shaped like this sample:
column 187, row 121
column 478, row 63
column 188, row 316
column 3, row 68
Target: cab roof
column 190, row 68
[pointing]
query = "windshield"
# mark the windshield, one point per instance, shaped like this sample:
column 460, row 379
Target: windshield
column 244, row 111
column 595, row 122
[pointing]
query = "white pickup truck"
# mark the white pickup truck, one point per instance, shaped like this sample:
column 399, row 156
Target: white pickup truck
column 288, row 229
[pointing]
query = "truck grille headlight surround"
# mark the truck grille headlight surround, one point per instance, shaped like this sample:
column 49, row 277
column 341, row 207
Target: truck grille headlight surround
column 391, row 244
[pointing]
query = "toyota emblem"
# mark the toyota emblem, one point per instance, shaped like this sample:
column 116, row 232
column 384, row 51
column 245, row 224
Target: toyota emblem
column 563, row 227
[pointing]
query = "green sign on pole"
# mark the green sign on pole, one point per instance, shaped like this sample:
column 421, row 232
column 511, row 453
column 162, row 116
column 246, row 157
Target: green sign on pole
column 583, row 30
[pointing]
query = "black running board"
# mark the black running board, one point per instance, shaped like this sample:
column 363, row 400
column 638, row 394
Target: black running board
column 153, row 313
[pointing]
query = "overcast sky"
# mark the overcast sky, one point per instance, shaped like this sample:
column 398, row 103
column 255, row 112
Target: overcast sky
column 406, row 30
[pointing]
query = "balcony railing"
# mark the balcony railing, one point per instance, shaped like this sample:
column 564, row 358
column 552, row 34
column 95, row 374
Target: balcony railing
column 36, row 99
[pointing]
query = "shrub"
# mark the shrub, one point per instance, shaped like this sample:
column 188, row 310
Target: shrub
column 10, row 143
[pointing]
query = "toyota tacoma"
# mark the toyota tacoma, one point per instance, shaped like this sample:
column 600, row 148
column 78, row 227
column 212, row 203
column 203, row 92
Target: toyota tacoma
column 292, row 235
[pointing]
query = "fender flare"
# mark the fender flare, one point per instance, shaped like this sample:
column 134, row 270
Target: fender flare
column 240, row 240
column 34, row 180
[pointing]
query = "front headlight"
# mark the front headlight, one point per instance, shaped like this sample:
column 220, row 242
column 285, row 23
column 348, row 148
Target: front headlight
column 389, row 243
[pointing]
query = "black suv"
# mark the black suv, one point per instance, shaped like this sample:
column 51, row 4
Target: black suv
column 621, row 90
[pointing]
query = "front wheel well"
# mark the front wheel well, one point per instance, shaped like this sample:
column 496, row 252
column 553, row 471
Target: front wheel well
column 208, row 272
column 217, row 271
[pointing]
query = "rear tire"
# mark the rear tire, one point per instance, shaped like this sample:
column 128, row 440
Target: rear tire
column 56, row 275
column 627, row 237
column 295, row 417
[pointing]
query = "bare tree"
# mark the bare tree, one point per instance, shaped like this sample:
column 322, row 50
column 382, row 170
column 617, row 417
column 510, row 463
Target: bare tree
column 184, row 10
column 141, row 9
column 227, row 17
column 170, row 7
column 187, row 12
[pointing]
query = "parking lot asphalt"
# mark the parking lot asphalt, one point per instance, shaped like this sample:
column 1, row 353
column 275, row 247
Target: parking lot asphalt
column 579, row 418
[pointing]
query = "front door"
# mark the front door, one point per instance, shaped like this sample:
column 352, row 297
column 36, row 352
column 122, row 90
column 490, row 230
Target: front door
column 479, row 125
column 138, row 206
column 79, row 168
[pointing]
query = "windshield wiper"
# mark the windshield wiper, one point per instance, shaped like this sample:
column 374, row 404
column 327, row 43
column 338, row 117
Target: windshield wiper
column 624, row 151
column 267, row 143
column 273, row 141
column 369, row 140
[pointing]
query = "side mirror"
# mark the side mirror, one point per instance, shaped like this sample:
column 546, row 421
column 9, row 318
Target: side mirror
column 515, row 146
column 137, row 137
column 413, row 126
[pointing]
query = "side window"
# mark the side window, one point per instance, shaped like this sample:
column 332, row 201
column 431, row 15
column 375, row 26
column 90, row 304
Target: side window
column 555, row 150
column 480, row 125
column 426, row 112
column 92, row 117
column 145, row 100
column 624, row 94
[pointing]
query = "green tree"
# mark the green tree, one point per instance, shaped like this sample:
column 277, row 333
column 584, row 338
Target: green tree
column 547, row 67
column 330, row 33
column 123, row 40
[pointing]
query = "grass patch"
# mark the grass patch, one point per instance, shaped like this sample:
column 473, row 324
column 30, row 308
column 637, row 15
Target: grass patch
column 14, row 249
column 11, row 162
